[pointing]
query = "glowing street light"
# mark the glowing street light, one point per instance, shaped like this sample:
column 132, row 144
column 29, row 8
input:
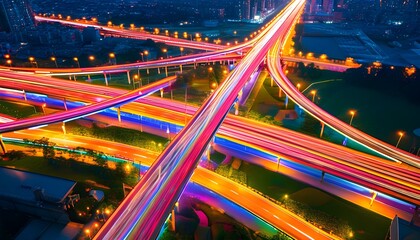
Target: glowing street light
column 54, row 59
column 165, row 51
column 92, row 58
column 298, row 86
column 9, row 62
column 313, row 92
column 77, row 61
column 146, row 53
column 32, row 61
column 401, row 134
column 112, row 57
column 181, row 49
column 87, row 232
column 352, row 113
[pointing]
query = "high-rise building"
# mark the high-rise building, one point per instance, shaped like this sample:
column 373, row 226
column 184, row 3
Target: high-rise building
column 17, row 15
column 247, row 9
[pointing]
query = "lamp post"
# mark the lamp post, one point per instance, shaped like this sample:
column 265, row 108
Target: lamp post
column 401, row 134
column 181, row 49
column 165, row 51
column 77, row 61
column 9, row 62
column 54, row 59
column 32, row 61
column 298, row 87
column 352, row 113
column 112, row 57
column 146, row 53
column 313, row 92
column 91, row 58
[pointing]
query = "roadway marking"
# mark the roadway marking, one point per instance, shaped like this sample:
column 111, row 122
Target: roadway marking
column 215, row 182
column 276, row 217
column 234, row 192
column 140, row 155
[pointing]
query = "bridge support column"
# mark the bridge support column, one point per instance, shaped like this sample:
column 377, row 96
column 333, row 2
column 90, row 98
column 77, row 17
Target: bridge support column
column 373, row 198
column 286, row 101
column 322, row 129
column 128, row 77
column 2, row 145
column 119, row 114
column 70, row 77
column 278, row 163
column 173, row 220
column 64, row 128
column 147, row 71
column 166, row 71
column 24, row 95
column 106, row 79
column 280, row 92
column 74, row 78
column 89, row 78
column 168, row 132
column 236, row 105
column 65, row 104
column 322, row 176
column 141, row 123
column 271, row 82
column 161, row 92
column 180, row 68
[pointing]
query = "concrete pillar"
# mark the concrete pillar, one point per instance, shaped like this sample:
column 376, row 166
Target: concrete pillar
column 24, row 95
column 166, row 70
column 106, row 79
column 173, row 220
column 373, row 198
column 2, row 145
column 322, row 129
column 119, row 114
column 65, row 104
column 64, row 128
column 128, row 77
column 180, row 68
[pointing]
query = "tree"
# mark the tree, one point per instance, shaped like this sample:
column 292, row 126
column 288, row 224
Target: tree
column 47, row 147
column 100, row 159
column 14, row 155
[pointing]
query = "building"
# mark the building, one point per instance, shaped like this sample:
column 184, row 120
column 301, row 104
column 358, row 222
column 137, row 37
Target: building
column 42, row 198
column 17, row 16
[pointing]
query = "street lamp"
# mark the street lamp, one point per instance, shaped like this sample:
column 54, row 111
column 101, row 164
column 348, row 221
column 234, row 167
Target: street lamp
column 352, row 113
column 77, row 61
column 181, row 49
column 137, row 78
column 112, row 56
column 32, row 61
column 8, row 61
column 54, row 59
column 92, row 58
column 298, row 87
column 165, row 51
column 399, row 139
column 146, row 53
column 313, row 92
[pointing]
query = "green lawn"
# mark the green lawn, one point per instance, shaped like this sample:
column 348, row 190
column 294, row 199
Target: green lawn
column 17, row 110
column 365, row 224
